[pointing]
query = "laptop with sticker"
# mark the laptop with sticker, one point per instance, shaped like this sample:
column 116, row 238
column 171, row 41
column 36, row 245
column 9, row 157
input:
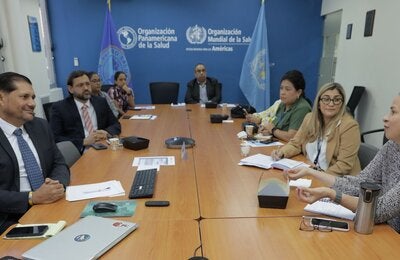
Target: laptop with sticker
column 89, row 238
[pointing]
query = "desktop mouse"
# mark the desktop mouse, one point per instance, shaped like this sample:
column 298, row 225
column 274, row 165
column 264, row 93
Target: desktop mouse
column 102, row 207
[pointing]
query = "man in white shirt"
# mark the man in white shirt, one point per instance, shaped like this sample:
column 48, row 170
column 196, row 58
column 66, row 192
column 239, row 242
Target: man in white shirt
column 82, row 118
column 32, row 169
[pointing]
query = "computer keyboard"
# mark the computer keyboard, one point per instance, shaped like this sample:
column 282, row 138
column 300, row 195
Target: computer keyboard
column 143, row 184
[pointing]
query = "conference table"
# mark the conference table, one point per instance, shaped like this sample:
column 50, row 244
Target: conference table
column 213, row 201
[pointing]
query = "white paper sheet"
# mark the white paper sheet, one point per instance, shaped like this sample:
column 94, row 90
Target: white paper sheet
column 94, row 190
column 141, row 117
column 145, row 107
column 154, row 161
column 300, row 183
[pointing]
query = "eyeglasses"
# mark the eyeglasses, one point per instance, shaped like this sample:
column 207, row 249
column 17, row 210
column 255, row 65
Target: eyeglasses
column 306, row 225
column 335, row 100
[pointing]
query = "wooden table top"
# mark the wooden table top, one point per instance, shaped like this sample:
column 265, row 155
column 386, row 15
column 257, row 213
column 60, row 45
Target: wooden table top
column 164, row 239
column 227, row 189
column 280, row 238
column 210, row 188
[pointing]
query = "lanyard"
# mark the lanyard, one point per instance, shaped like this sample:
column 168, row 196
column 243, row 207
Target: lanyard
column 319, row 145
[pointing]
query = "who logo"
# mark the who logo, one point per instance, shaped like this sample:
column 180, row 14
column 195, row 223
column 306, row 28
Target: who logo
column 196, row 34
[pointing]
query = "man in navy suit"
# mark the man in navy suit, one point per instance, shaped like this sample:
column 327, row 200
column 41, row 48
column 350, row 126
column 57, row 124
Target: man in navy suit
column 17, row 113
column 68, row 116
column 202, row 89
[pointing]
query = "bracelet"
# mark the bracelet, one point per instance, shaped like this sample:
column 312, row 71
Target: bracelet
column 273, row 131
column 338, row 197
column 30, row 201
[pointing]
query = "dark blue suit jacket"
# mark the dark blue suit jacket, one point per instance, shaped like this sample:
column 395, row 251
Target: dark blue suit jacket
column 66, row 123
column 13, row 203
column 193, row 91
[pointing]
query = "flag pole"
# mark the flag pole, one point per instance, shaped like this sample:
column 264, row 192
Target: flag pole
column 109, row 4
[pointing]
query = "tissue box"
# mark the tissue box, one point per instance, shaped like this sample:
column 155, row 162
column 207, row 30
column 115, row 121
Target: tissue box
column 273, row 193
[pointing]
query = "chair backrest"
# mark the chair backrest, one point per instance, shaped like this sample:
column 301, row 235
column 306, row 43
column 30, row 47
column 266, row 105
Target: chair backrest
column 164, row 92
column 363, row 134
column 106, row 87
column 47, row 109
column 366, row 153
column 69, row 151
column 355, row 98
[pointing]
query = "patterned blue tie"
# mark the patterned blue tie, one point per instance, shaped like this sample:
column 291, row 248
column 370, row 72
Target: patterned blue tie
column 32, row 168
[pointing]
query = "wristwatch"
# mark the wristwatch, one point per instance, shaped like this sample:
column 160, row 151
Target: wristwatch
column 338, row 197
column 30, row 201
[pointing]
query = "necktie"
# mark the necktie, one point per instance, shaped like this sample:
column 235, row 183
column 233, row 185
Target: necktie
column 86, row 119
column 32, row 168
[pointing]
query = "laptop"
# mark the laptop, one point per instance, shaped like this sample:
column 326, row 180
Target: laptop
column 89, row 238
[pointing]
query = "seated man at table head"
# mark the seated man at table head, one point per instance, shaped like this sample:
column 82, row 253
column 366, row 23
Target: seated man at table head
column 329, row 137
column 202, row 89
column 121, row 93
column 82, row 118
column 384, row 170
column 286, row 116
column 95, row 83
column 32, row 169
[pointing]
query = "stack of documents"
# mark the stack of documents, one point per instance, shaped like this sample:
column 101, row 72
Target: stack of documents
column 266, row 162
column 102, row 189
column 330, row 208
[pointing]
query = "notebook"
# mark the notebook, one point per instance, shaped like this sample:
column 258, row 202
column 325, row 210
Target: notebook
column 330, row 208
column 89, row 238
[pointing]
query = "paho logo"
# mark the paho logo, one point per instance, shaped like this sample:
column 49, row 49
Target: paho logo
column 196, row 34
column 127, row 37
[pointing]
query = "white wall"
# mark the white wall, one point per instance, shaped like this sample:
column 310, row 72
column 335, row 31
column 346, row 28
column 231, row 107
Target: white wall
column 17, row 46
column 373, row 61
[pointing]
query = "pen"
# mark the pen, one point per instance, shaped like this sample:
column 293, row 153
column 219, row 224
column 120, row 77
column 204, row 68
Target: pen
column 99, row 190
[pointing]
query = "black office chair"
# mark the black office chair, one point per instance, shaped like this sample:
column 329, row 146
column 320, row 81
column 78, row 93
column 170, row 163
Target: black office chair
column 106, row 87
column 47, row 110
column 366, row 153
column 354, row 99
column 164, row 92
column 363, row 134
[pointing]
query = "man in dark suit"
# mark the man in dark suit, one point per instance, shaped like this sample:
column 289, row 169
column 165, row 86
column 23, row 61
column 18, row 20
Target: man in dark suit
column 18, row 189
column 70, row 122
column 202, row 89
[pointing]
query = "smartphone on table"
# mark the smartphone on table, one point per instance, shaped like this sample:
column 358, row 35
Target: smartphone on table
column 99, row 146
column 27, row 231
column 330, row 223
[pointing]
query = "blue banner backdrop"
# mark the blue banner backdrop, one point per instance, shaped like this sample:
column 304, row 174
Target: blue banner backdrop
column 163, row 40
